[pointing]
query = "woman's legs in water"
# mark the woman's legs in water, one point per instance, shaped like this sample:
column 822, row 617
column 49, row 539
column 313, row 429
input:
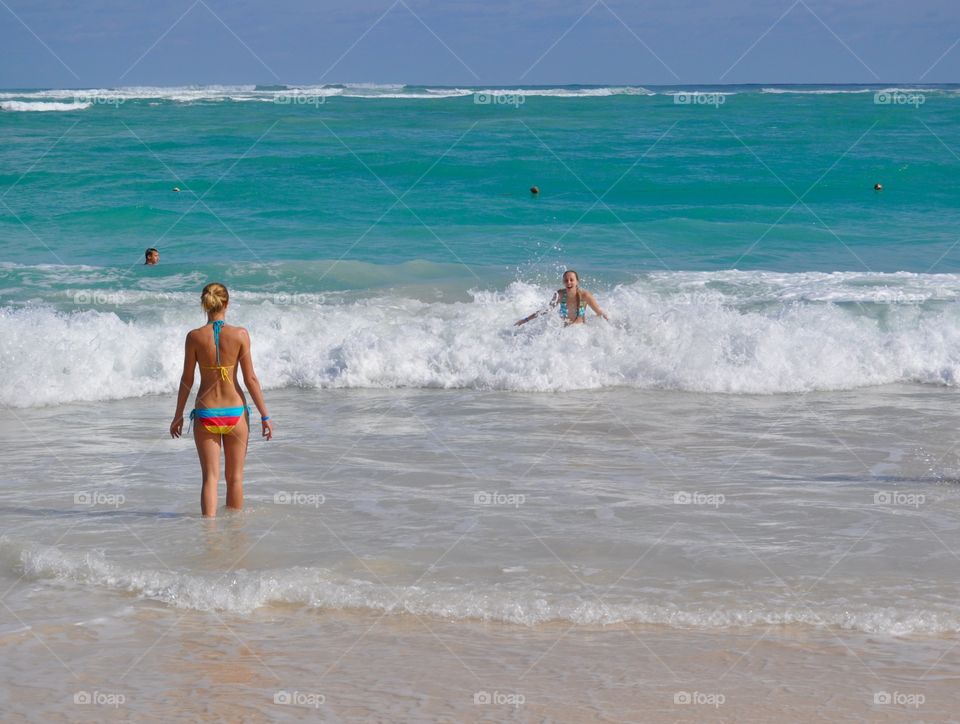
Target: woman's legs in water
column 208, row 448
column 235, row 454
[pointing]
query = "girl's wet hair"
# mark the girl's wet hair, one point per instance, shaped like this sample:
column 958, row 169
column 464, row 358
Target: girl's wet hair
column 214, row 297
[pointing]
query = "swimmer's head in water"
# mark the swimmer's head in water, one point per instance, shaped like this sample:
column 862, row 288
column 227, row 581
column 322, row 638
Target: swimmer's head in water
column 534, row 190
column 214, row 298
column 878, row 187
column 571, row 280
column 151, row 256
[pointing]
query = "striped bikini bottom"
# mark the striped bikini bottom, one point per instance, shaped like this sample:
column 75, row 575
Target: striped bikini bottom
column 220, row 420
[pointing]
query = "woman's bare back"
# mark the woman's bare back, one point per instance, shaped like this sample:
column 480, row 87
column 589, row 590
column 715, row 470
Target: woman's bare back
column 215, row 390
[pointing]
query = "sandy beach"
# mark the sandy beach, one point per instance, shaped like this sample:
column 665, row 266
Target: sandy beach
column 283, row 666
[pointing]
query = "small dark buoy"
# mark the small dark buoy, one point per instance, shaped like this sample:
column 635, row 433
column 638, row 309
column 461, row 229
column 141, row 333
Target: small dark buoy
column 878, row 187
column 534, row 190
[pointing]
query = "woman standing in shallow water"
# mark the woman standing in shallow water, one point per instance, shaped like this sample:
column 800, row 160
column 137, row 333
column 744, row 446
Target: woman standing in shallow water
column 221, row 414
column 575, row 313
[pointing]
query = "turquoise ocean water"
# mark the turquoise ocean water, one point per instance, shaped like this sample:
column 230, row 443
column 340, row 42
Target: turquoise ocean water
column 303, row 175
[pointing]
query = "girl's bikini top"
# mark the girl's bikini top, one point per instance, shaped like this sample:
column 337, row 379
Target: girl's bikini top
column 581, row 311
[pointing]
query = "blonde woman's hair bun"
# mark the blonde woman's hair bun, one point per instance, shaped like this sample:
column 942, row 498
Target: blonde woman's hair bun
column 214, row 297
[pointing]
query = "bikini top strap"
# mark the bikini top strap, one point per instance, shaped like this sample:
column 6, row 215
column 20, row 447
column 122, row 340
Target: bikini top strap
column 216, row 337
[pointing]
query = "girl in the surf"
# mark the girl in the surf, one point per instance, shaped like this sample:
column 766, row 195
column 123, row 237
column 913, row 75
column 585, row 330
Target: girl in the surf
column 572, row 300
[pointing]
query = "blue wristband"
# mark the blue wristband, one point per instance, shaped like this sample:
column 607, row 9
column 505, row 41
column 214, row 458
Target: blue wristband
column 264, row 419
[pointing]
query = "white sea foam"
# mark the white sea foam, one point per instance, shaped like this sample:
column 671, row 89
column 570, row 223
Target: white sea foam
column 195, row 94
column 846, row 91
column 570, row 92
column 376, row 86
column 728, row 332
column 698, row 93
column 816, row 91
column 42, row 106
column 178, row 93
column 245, row 591
column 425, row 94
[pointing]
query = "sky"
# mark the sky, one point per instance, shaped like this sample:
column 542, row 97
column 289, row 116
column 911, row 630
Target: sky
column 116, row 43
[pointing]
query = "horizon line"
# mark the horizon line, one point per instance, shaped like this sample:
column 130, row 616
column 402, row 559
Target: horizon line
column 372, row 84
